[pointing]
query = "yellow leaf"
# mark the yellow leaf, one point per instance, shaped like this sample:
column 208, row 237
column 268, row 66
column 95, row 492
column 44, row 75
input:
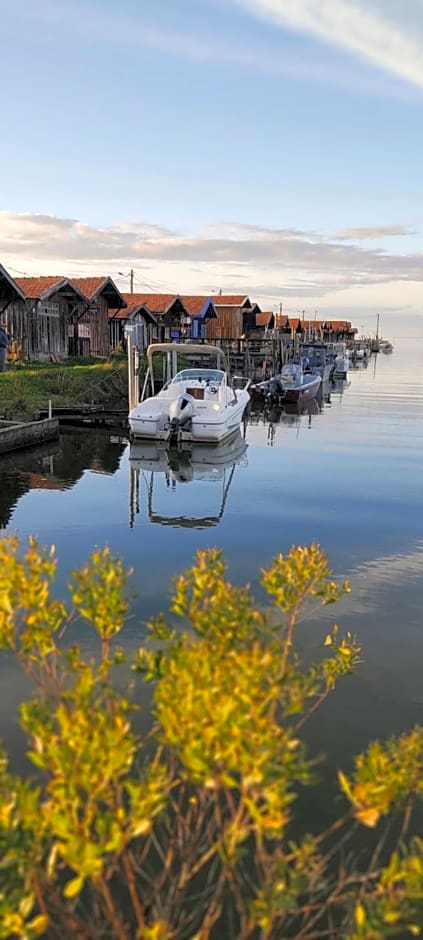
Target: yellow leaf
column 39, row 924
column 73, row 887
column 328, row 640
column 368, row 817
column 360, row 916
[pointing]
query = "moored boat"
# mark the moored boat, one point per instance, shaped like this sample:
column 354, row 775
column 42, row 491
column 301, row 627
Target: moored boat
column 197, row 404
column 341, row 361
column 298, row 384
column 319, row 359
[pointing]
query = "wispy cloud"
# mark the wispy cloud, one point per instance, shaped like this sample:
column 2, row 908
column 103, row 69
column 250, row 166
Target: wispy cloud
column 373, row 232
column 92, row 24
column 386, row 33
column 271, row 262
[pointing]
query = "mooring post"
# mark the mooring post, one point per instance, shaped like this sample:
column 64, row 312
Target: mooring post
column 136, row 375
column 50, row 410
column 130, row 372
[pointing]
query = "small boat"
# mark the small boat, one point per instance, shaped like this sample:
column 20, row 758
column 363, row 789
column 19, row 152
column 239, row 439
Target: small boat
column 360, row 354
column 299, row 384
column 196, row 405
column 319, row 358
column 341, row 361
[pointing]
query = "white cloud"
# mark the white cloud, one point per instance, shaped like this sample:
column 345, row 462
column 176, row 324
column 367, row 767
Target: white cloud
column 136, row 31
column 373, row 232
column 386, row 33
column 301, row 268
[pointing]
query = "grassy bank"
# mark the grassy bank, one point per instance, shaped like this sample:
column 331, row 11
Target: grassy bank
column 26, row 388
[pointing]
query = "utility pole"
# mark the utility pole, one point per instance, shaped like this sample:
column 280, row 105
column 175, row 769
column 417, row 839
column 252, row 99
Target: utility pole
column 131, row 278
column 377, row 327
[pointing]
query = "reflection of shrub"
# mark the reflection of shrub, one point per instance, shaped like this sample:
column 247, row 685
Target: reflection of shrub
column 189, row 832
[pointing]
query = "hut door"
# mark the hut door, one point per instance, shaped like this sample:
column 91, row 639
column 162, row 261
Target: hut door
column 49, row 339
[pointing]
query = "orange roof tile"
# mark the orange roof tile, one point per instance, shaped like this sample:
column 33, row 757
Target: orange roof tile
column 263, row 319
column 229, row 300
column 336, row 325
column 123, row 313
column 35, row 287
column 194, row 303
column 89, row 285
column 155, row 303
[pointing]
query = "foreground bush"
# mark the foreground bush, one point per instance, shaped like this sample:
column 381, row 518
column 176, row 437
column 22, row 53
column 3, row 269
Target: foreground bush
column 190, row 831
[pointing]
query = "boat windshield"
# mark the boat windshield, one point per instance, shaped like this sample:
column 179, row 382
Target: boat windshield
column 199, row 375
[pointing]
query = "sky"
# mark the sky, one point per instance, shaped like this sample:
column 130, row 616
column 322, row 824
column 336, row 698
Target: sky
column 268, row 147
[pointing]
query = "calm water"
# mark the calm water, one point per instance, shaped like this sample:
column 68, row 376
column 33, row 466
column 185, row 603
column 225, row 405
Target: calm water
column 349, row 476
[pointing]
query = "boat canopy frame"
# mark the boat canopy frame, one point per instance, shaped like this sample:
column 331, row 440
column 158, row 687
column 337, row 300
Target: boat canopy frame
column 171, row 351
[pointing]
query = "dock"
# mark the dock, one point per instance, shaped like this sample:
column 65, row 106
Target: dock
column 15, row 436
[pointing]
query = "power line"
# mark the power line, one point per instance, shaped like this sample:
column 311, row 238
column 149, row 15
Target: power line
column 15, row 271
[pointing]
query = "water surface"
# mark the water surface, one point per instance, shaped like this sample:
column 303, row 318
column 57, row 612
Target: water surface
column 347, row 475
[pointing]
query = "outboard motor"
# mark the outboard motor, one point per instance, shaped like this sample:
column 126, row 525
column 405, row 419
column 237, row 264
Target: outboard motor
column 180, row 413
column 274, row 389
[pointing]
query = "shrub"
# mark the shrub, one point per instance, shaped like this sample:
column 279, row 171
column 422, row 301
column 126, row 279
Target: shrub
column 189, row 831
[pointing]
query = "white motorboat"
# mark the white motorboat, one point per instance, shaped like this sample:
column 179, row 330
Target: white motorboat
column 196, row 405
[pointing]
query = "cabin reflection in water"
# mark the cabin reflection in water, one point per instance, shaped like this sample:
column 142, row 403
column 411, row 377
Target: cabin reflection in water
column 151, row 464
column 58, row 465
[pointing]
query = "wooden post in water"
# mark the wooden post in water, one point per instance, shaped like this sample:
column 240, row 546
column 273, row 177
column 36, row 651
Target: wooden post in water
column 136, row 375
column 130, row 371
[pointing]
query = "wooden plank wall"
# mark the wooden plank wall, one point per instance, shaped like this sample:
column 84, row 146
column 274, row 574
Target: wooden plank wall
column 97, row 323
column 228, row 324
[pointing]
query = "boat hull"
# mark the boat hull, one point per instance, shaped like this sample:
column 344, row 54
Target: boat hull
column 305, row 392
column 201, row 429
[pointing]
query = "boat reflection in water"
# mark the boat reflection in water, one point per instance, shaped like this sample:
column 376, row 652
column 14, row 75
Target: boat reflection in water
column 289, row 416
column 201, row 463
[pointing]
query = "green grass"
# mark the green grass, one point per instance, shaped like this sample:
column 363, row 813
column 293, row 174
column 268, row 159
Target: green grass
column 26, row 388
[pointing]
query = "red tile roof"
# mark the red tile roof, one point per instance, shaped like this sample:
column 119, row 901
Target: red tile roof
column 35, row 287
column 155, row 303
column 229, row 300
column 263, row 319
column 89, row 285
column 194, row 303
column 335, row 325
column 131, row 307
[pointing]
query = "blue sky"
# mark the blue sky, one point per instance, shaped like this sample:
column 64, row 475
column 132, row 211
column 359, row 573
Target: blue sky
column 268, row 146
